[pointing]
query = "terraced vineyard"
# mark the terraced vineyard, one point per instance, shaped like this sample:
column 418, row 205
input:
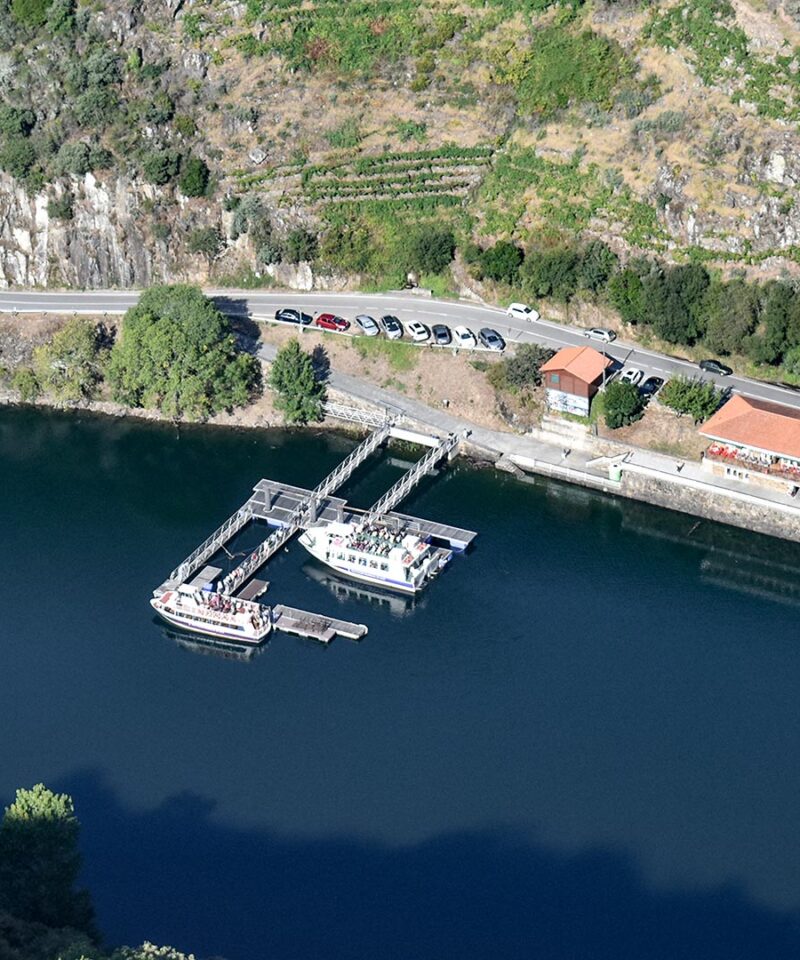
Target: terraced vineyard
column 449, row 171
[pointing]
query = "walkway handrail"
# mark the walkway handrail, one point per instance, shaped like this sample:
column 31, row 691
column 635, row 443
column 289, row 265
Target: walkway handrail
column 300, row 514
column 404, row 485
column 211, row 544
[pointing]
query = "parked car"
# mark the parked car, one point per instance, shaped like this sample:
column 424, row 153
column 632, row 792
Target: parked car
column 418, row 332
column 329, row 321
column 464, row 337
column 441, row 334
column 600, row 333
column 491, row 339
column 289, row 315
column 651, row 386
column 631, row 376
column 367, row 325
column 715, row 366
column 392, row 327
column 521, row 311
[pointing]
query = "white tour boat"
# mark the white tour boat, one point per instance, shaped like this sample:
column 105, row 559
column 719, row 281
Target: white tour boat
column 214, row 614
column 376, row 553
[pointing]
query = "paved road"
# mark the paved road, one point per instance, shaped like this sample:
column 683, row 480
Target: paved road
column 262, row 305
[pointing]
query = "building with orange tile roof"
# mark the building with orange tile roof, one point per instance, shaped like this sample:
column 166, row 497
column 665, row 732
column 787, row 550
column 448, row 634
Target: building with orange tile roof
column 754, row 440
column 572, row 377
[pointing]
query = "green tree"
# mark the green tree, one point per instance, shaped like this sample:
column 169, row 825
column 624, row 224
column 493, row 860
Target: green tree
column 300, row 246
column 71, row 366
column 730, row 315
column 674, row 299
column 160, row 166
column 17, row 157
column 623, row 404
column 300, row 395
column 40, row 862
column 501, row 261
column 15, row 121
column 194, row 177
column 523, row 369
column 551, row 273
column 688, row 395
column 178, row 353
column 626, row 292
column 598, row 263
column 430, row 249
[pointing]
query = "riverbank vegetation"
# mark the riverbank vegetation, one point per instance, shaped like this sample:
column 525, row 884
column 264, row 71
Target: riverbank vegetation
column 300, row 391
column 177, row 353
column 44, row 913
column 174, row 352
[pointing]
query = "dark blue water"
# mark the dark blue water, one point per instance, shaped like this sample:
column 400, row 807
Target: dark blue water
column 581, row 743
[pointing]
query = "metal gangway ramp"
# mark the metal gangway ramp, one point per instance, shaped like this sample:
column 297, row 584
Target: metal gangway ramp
column 305, row 510
column 408, row 481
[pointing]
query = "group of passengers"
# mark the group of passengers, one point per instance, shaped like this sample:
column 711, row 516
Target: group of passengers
column 375, row 538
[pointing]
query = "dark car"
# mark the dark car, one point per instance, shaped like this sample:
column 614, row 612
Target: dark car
column 714, row 366
column 491, row 339
column 392, row 327
column 329, row 321
column 651, row 386
column 441, row 334
column 288, row 315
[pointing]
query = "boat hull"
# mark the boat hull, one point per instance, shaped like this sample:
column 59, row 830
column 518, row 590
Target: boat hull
column 406, row 588
column 208, row 629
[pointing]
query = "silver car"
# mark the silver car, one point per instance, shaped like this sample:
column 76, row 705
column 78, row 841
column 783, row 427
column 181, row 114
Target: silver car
column 367, row 325
column 600, row 333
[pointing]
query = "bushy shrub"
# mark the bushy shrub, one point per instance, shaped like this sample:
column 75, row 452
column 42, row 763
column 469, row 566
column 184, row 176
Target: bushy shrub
column 205, row 240
column 194, row 177
column 430, row 249
column 300, row 246
column 551, row 273
column 17, row 157
column 160, row 166
column 61, row 208
column 623, row 404
column 71, row 366
column 687, row 395
column 501, row 262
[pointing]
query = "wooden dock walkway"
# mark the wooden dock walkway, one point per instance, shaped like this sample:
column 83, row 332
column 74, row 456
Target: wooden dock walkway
column 303, row 623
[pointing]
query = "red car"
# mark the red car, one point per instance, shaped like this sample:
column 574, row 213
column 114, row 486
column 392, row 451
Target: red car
column 329, row 321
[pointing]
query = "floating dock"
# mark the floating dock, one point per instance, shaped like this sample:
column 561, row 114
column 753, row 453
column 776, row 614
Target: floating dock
column 288, row 509
column 314, row 626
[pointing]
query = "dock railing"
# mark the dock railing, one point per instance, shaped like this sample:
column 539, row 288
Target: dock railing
column 406, row 483
column 304, row 511
column 211, row 544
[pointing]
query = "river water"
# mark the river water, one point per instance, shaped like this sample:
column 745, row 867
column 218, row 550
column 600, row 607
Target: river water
column 581, row 742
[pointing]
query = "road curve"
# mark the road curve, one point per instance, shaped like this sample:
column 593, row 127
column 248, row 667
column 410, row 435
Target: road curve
column 261, row 305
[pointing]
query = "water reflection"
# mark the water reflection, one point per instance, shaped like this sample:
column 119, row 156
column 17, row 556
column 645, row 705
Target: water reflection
column 346, row 591
column 728, row 559
column 210, row 646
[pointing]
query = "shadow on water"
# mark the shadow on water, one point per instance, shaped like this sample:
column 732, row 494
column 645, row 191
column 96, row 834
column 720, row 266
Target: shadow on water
column 209, row 646
column 216, row 888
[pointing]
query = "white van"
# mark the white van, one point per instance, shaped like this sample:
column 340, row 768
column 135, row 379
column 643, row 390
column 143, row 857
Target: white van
column 521, row 311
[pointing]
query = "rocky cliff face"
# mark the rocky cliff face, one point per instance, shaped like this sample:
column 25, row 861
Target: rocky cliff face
column 107, row 243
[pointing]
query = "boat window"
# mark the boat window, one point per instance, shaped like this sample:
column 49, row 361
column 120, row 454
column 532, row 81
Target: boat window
column 384, row 566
